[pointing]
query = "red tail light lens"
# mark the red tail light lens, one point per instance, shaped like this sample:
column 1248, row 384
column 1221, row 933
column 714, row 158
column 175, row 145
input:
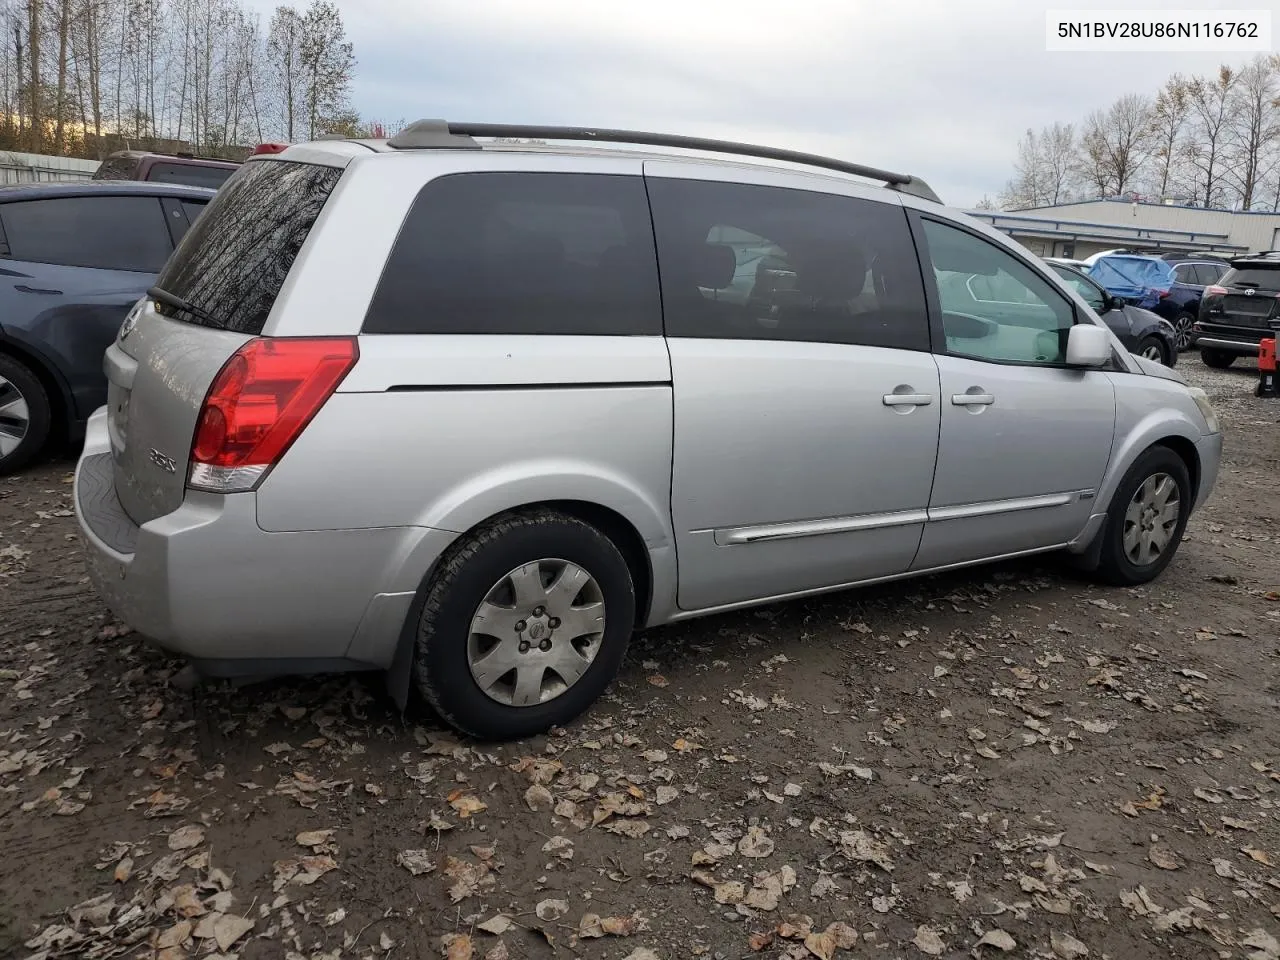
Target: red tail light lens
column 259, row 403
column 269, row 148
column 1213, row 290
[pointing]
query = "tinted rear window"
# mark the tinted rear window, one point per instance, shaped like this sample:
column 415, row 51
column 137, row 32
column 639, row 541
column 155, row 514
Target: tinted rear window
column 192, row 174
column 522, row 253
column 234, row 259
column 107, row 233
column 1268, row 278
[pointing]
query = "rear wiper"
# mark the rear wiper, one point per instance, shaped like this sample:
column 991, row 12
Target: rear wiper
column 186, row 306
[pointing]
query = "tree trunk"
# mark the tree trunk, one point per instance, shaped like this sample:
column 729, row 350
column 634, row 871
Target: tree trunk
column 33, row 54
column 64, row 25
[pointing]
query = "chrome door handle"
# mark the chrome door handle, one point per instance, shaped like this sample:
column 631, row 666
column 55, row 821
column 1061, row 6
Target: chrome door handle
column 907, row 399
column 972, row 399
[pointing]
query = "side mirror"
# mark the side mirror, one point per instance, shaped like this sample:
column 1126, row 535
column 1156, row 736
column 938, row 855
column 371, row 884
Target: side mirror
column 1088, row 345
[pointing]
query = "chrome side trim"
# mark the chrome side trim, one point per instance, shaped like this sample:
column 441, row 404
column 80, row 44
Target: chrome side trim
column 906, row 575
column 817, row 528
column 993, row 507
column 1243, row 347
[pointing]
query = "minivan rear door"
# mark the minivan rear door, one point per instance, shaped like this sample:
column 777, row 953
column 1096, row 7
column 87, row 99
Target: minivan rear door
column 229, row 269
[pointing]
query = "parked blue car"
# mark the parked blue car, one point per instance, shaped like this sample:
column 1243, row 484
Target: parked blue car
column 1191, row 274
column 1134, row 279
column 74, row 257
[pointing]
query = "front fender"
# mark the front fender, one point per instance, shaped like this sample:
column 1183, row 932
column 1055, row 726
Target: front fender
column 1131, row 440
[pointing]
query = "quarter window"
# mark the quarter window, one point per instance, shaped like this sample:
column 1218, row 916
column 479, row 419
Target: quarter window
column 110, row 233
column 522, row 253
column 1207, row 273
column 769, row 263
column 994, row 306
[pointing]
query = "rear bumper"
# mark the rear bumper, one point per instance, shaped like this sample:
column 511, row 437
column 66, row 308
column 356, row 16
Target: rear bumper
column 207, row 583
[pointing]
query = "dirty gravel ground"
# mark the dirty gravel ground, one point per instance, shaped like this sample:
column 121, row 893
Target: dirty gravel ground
column 1003, row 762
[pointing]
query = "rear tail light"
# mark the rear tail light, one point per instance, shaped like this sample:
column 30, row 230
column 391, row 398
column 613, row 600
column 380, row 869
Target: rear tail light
column 258, row 405
column 1213, row 290
column 269, row 148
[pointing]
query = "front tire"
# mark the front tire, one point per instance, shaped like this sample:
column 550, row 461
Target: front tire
column 1153, row 348
column 1146, row 519
column 524, row 626
column 1217, row 359
column 25, row 416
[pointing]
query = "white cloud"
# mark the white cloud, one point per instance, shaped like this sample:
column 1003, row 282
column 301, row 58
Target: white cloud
column 940, row 89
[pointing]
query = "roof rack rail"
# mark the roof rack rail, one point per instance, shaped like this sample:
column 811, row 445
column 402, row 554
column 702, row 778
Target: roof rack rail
column 428, row 134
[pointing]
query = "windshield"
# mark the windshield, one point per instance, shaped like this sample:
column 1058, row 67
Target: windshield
column 233, row 261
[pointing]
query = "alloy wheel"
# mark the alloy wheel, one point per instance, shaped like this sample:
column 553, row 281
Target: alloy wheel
column 15, row 417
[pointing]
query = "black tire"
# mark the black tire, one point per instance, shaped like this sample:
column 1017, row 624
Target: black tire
column 39, row 413
column 1182, row 327
column 1115, row 567
column 467, row 573
column 1218, row 359
column 1158, row 346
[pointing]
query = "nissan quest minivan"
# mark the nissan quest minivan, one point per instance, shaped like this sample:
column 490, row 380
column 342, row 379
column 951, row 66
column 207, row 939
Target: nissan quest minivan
column 471, row 413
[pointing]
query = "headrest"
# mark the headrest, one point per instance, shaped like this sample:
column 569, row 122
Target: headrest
column 715, row 265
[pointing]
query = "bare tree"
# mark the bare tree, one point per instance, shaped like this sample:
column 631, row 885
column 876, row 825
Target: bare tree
column 1254, row 128
column 1117, row 144
column 1212, row 104
column 328, row 61
column 284, row 51
column 1168, row 120
column 34, row 15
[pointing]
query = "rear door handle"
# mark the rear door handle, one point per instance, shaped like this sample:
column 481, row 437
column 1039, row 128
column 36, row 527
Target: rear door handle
column 907, row 399
column 22, row 287
column 972, row 399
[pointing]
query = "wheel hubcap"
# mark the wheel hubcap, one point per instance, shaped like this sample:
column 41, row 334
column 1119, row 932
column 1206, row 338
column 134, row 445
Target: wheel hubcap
column 1152, row 352
column 1151, row 519
column 536, row 632
column 15, row 417
column 1184, row 333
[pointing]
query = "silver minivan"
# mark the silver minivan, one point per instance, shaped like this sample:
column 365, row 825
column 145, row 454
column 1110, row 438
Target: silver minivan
column 470, row 413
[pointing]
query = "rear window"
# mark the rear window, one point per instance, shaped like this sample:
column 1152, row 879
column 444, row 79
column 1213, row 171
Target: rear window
column 191, row 174
column 1267, row 278
column 234, row 259
column 522, row 253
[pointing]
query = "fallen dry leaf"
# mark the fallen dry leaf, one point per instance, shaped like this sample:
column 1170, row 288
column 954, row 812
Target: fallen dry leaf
column 1260, row 856
column 929, row 941
column 124, row 870
column 229, row 928
column 496, row 925
column 184, row 838
column 1164, row 858
column 1066, row 947
column 756, row 843
column 538, row 798
column 996, row 938
column 821, row 945
column 498, row 951
column 641, row 953
column 760, row 941
column 417, row 862
column 551, row 910
column 466, row 805
column 314, row 838
column 458, row 946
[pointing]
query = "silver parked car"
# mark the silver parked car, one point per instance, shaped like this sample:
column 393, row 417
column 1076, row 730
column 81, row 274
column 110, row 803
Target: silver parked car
column 470, row 413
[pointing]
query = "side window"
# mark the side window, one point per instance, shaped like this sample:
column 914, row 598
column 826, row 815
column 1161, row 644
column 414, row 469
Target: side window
column 191, row 174
column 1090, row 293
column 109, row 233
column 1028, row 322
column 1207, row 273
column 1185, row 273
column 522, row 253
column 770, row 263
column 193, row 209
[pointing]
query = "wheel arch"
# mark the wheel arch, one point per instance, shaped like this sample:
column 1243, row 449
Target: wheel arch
column 609, row 521
column 55, row 387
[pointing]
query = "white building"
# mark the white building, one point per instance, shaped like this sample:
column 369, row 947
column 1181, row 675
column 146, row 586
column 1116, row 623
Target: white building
column 1080, row 229
column 39, row 168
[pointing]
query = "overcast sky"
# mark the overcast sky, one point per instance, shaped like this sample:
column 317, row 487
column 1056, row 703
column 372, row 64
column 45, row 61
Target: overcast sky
column 939, row 88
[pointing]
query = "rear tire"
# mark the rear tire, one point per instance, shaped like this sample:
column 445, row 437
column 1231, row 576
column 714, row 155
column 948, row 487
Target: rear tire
column 1217, row 359
column 1182, row 327
column 477, row 586
column 1139, row 519
column 25, row 415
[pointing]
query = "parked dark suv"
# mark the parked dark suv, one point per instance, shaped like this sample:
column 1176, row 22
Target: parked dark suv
column 1240, row 310
column 73, row 259
column 166, row 168
column 1192, row 273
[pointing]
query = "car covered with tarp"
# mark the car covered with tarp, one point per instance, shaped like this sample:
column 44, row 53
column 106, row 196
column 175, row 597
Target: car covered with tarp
column 1134, row 279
